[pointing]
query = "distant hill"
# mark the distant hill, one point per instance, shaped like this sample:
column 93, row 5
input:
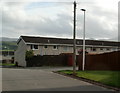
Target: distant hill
column 8, row 43
column 8, row 39
column 11, row 45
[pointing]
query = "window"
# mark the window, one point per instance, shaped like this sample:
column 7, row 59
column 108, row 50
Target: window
column 65, row 48
column 107, row 49
column 101, row 48
column 31, row 46
column 91, row 48
column 78, row 42
column 34, row 47
column 45, row 46
column 55, row 47
column 94, row 49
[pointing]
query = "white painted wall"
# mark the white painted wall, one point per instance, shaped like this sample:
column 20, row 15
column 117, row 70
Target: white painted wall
column 20, row 54
column 50, row 50
column 66, row 49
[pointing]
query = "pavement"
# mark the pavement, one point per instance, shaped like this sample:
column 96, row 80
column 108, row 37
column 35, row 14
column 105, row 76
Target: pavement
column 43, row 79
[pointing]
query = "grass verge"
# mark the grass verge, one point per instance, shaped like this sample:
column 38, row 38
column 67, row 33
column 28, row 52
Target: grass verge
column 6, row 64
column 111, row 78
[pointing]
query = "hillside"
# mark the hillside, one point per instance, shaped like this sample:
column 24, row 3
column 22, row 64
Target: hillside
column 11, row 45
column 5, row 45
column 8, row 43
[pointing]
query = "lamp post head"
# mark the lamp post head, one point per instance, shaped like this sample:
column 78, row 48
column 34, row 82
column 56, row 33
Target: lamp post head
column 83, row 9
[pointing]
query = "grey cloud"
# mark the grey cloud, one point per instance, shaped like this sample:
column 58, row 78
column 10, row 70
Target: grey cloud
column 96, row 29
column 59, row 27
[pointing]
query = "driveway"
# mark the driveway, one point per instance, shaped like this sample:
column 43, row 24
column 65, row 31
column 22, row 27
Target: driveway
column 43, row 79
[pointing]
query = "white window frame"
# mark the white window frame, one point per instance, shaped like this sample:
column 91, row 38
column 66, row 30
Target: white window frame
column 33, row 47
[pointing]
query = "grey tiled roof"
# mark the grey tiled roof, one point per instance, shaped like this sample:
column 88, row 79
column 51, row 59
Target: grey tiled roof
column 47, row 40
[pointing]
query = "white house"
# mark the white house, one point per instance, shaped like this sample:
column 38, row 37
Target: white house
column 56, row 46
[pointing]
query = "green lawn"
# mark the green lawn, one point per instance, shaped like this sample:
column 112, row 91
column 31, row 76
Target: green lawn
column 6, row 64
column 111, row 78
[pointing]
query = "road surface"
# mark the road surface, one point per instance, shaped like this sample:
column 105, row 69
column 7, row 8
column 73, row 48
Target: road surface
column 42, row 79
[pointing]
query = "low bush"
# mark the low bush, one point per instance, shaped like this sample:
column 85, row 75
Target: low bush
column 29, row 54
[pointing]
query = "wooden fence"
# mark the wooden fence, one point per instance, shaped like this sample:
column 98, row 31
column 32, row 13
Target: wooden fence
column 51, row 60
column 105, row 61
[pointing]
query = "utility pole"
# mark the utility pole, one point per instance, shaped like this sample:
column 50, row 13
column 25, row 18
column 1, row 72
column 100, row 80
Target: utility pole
column 74, row 43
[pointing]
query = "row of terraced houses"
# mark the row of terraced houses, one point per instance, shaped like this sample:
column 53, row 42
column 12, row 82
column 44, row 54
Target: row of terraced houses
column 56, row 46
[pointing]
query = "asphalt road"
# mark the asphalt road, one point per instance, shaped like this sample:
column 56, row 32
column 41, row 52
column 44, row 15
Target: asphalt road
column 42, row 79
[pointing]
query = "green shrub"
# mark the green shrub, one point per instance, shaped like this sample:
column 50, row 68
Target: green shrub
column 29, row 54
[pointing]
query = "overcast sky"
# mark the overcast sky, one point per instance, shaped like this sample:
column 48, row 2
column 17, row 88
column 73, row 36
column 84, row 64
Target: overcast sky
column 54, row 18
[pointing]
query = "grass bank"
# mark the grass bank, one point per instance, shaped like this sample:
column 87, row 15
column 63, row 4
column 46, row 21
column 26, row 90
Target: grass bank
column 111, row 78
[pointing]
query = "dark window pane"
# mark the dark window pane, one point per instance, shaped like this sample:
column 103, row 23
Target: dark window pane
column 94, row 49
column 45, row 46
column 55, row 47
column 108, row 49
column 91, row 48
column 35, row 46
column 101, row 48
column 31, row 46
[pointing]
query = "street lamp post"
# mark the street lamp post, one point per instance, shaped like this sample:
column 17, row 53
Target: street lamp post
column 83, row 64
